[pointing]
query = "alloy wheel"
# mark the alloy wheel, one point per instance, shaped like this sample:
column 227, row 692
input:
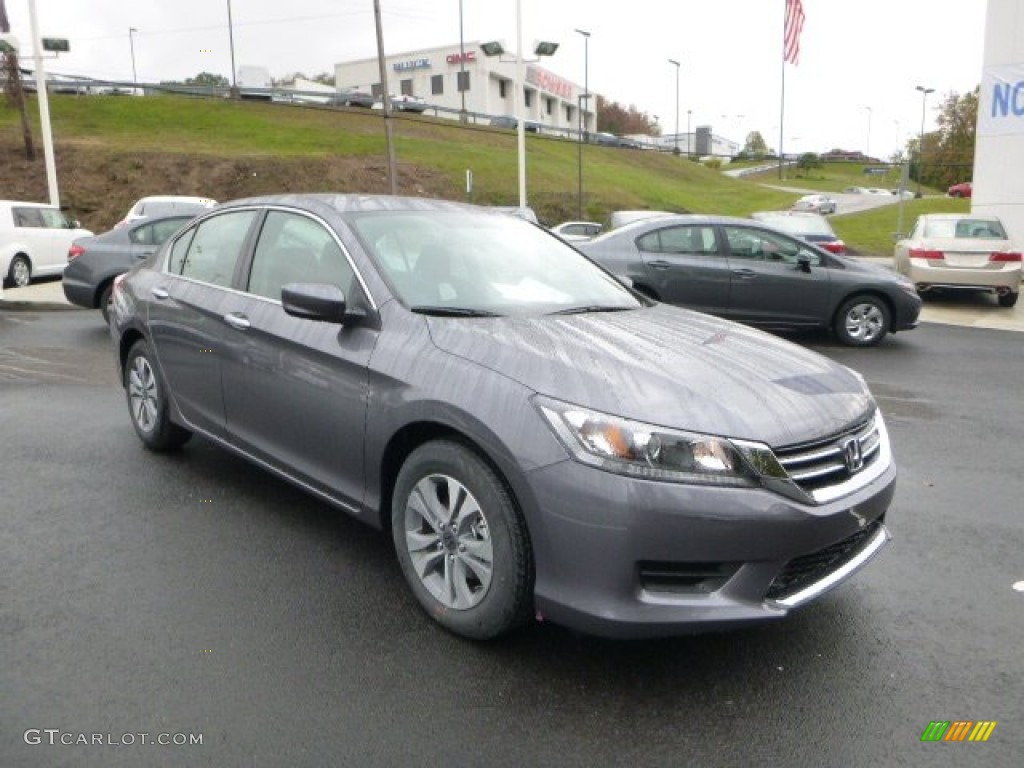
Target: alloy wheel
column 142, row 394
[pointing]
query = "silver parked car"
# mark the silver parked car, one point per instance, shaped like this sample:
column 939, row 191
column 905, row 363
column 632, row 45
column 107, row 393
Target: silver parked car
column 961, row 252
column 537, row 440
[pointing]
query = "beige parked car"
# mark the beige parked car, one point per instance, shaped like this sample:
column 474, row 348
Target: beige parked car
column 961, row 251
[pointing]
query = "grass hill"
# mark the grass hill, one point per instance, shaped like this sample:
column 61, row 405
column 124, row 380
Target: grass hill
column 111, row 150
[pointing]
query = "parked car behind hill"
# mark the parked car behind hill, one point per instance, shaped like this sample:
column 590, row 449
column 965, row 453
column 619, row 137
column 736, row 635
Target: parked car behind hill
column 92, row 263
column 164, row 205
column 963, row 189
column 961, row 252
column 537, row 441
column 34, row 241
column 744, row 271
column 812, row 227
column 816, row 204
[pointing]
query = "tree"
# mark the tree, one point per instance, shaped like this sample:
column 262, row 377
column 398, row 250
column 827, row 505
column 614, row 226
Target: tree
column 10, row 73
column 755, row 146
column 948, row 150
column 208, row 80
column 808, row 161
column 612, row 117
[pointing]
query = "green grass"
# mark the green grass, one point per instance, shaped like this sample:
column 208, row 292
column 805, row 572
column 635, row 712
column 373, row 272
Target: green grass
column 835, row 177
column 434, row 154
column 870, row 233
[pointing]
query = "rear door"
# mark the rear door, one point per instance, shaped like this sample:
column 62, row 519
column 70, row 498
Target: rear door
column 186, row 309
column 768, row 284
column 295, row 390
column 686, row 266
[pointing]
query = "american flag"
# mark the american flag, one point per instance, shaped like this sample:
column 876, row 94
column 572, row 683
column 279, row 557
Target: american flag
column 794, row 25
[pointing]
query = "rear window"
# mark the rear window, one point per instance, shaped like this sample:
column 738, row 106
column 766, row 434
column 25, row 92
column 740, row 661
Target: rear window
column 968, row 229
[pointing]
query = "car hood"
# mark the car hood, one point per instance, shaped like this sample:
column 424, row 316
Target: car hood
column 668, row 366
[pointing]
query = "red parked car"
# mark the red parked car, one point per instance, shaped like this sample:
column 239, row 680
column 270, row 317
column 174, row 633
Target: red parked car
column 963, row 189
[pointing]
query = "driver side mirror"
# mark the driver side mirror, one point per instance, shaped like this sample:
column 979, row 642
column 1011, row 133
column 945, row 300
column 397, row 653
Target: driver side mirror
column 803, row 262
column 319, row 301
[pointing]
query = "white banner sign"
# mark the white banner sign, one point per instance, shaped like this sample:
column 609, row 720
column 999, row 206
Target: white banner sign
column 1001, row 106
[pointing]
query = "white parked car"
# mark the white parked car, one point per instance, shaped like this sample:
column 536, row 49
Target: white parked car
column 577, row 231
column 34, row 241
column 164, row 205
column 961, row 251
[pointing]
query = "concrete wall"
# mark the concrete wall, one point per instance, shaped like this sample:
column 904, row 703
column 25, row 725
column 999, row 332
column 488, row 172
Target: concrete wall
column 999, row 155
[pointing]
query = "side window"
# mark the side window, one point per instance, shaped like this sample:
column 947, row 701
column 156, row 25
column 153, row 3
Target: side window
column 296, row 249
column 178, row 251
column 679, row 240
column 28, row 217
column 142, row 235
column 761, row 245
column 53, row 219
column 215, row 247
column 164, row 228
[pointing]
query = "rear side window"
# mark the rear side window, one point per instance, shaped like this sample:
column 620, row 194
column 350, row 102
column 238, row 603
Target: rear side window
column 28, row 217
column 693, row 239
column 296, row 249
column 213, row 249
column 157, row 232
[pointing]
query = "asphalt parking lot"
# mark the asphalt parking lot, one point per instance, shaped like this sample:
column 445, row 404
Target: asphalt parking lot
column 195, row 594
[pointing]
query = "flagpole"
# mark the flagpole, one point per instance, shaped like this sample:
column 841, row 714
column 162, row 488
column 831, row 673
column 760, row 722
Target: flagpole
column 782, row 98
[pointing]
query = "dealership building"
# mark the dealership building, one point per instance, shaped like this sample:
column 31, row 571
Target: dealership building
column 487, row 83
column 999, row 153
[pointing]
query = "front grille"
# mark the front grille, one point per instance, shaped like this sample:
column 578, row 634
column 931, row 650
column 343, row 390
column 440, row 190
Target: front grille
column 805, row 570
column 824, row 463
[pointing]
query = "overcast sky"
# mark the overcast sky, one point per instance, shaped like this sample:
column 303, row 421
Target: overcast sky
column 855, row 54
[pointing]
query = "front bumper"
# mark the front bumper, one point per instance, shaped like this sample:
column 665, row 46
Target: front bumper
column 621, row 557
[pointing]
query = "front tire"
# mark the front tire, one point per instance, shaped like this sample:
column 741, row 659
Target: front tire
column 19, row 274
column 461, row 542
column 147, row 402
column 862, row 321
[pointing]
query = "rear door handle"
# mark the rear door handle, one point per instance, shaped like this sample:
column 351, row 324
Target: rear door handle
column 747, row 274
column 237, row 321
column 658, row 264
column 160, row 293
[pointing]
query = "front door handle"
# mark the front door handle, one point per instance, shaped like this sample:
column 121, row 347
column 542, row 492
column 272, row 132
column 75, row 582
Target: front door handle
column 160, row 293
column 658, row 264
column 747, row 274
column 237, row 321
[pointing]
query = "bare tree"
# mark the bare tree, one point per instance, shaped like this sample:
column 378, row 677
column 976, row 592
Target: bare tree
column 11, row 76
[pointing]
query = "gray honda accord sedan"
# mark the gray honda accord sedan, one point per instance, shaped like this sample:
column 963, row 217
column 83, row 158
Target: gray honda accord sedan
column 538, row 440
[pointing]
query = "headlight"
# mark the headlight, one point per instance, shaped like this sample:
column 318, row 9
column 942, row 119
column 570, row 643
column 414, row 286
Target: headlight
column 644, row 450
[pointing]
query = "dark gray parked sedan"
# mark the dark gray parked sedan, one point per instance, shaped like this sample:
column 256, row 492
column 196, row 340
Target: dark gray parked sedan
column 94, row 262
column 758, row 275
column 538, row 440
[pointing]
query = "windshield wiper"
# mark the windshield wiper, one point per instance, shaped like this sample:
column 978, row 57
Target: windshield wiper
column 423, row 309
column 591, row 308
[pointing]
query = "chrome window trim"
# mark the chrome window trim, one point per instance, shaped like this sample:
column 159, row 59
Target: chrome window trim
column 258, row 208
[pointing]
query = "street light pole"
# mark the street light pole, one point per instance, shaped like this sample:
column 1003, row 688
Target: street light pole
column 584, row 99
column 920, row 146
column 44, row 107
column 231, row 45
column 676, row 65
column 867, row 145
column 520, row 105
column 462, row 67
column 689, row 139
column 131, row 43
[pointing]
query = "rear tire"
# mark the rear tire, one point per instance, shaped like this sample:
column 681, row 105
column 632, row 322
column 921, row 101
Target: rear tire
column 1008, row 300
column 147, row 402
column 461, row 542
column 862, row 321
column 19, row 274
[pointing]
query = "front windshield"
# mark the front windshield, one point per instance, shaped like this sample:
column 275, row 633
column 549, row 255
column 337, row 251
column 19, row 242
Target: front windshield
column 484, row 263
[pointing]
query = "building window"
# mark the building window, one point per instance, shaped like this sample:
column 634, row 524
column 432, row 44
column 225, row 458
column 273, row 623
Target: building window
column 503, row 89
column 406, row 87
column 437, row 85
column 462, row 78
column 376, row 90
column 549, row 105
column 569, row 116
column 528, row 97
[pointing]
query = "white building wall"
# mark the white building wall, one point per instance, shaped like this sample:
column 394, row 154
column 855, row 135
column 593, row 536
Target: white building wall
column 553, row 99
column 999, row 152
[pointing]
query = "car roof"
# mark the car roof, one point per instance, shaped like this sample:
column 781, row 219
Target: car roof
column 356, row 203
